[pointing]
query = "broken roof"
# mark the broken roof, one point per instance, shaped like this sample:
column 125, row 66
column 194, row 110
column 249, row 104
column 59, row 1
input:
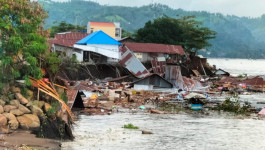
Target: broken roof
column 221, row 72
column 67, row 39
column 155, row 48
column 98, row 37
column 154, row 79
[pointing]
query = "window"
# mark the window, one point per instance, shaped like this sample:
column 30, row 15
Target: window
column 86, row 56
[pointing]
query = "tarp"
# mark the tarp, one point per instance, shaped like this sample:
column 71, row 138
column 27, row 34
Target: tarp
column 195, row 95
column 262, row 112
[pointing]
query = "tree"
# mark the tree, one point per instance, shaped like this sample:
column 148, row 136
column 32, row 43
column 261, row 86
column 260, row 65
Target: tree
column 184, row 31
column 23, row 40
column 64, row 27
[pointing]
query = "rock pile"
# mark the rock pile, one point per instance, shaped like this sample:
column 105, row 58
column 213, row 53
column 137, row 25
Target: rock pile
column 21, row 113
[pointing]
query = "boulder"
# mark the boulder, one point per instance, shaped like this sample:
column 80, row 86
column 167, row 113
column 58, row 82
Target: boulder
column 47, row 106
column 15, row 89
column 2, row 102
column 1, row 109
column 7, row 108
column 36, row 111
column 38, row 103
column 12, row 120
column 5, row 129
column 28, row 121
column 15, row 103
column 30, row 94
column 3, row 120
column 29, row 104
column 16, row 112
column 21, row 98
column 24, row 109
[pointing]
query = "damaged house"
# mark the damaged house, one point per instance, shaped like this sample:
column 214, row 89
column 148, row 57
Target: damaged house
column 98, row 47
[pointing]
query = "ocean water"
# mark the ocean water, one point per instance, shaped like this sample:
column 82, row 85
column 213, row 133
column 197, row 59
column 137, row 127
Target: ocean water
column 178, row 131
column 250, row 67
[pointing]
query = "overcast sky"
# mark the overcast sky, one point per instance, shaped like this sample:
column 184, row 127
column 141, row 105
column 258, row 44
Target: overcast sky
column 253, row 8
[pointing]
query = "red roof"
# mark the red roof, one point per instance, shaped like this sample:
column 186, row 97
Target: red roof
column 105, row 24
column 67, row 39
column 256, row 81
column 155, row 48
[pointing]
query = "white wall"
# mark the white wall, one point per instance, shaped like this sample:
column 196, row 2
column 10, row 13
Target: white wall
column 111, row 51
column 146, row 57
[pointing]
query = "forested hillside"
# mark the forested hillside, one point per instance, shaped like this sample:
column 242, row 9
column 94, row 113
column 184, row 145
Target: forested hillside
column 237, row 37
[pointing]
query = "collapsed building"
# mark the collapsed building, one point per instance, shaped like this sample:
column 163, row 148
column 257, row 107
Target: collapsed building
column 103, row 57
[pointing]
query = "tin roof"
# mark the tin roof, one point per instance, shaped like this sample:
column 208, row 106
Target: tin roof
column 98, row 37
column 71, row 95
column 130, row 62
column 67, row 39
column 155, row 48
column 105, row 24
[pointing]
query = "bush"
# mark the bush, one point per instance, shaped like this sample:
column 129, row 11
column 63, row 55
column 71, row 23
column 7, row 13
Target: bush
column 130, row 126
column 53, row 109
column 234, row 106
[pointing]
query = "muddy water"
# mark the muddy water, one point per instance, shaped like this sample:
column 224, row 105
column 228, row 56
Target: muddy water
column 180, row 131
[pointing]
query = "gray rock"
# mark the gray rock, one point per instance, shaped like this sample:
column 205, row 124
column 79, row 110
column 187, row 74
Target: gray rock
column 7, row 108
column 29, row 104
column 1, row 109
column 36, row 111
column 16, row 112
column 15, row 89
column 12, row 121
column 21, row 98
column 28, row 121
column 24, row 109
column 15, row 103
column 3, row 120
column 2, row 102
column 38, row 103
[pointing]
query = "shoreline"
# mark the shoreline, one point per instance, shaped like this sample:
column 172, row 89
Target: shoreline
column 27, row 141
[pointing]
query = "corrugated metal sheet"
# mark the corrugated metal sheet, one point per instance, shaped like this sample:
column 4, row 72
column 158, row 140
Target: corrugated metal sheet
column 129, row 61
column 71, row 95
column 67, row 39
column 155, row 48
column 173, row 75
column 158, row 66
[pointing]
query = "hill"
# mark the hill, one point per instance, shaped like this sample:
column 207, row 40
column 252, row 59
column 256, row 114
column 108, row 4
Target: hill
column 237, row 37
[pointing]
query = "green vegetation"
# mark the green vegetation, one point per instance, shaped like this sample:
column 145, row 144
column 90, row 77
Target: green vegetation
column 237, row 37
column 130, row 126
column 23, row 41
column 65, row 27
column 53, row 109
column 184, row 31
column 234, row 106
column 244, row 75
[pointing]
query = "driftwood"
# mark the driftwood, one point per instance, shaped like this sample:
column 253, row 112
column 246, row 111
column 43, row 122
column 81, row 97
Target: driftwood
column 155, row 111
column 50, row 90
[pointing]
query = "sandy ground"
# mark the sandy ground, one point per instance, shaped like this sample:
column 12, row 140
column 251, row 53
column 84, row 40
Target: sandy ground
column 21, row 139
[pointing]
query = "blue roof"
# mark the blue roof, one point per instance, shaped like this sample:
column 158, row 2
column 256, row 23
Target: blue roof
column 98, row 37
